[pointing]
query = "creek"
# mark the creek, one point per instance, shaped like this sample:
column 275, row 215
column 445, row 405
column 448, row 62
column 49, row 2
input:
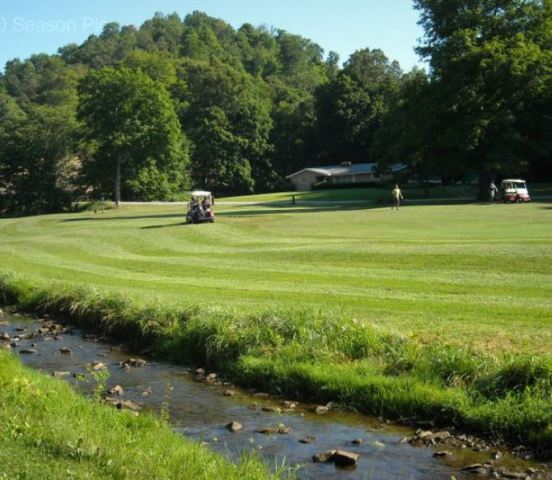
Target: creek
column 201, row 410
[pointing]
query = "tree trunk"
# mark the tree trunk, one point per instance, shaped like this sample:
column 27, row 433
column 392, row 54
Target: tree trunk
column 118, row 182
column 484, row 181
column 426, row 188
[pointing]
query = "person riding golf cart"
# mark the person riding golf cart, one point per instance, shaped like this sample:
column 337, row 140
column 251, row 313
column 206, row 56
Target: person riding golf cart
column 200, row 207
column 514, row 190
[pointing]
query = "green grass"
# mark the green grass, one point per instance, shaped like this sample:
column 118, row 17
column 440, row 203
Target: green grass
column 479, row 275
column 433, row 311
column 50, row 432
column 361, row 194
column 381, row 195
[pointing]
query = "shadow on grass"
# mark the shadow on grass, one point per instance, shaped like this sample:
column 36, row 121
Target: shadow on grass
column 337, row 207
column 256, row 213
column 293, row 210
column 547, row 201
column 169, row 225
column 124, row 217
column 224, row 213
column 268, row 209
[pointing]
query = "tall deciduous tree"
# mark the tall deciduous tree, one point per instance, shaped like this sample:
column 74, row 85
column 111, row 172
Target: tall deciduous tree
column 405, row 128
column 42, row 79
column 226, row 113
column 292, row 136
column 132, row 132
column 38, row 135
column 36, row 165
column 489, row 60
column 350, row 108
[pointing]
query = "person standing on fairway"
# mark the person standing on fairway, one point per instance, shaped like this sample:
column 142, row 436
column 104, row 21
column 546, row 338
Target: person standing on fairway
column 397, row 197
column 492, row 191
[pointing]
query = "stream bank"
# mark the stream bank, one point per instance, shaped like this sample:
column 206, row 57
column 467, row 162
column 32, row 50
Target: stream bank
column 200, row 406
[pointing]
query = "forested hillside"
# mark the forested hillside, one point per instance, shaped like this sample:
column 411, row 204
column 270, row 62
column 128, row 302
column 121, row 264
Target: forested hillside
column 178, row 103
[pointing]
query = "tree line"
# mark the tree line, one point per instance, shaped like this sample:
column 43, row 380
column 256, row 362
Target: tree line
column 147, row 113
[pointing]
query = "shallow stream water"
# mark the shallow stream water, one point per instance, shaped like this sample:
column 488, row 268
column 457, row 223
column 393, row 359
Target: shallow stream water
column 201, row 411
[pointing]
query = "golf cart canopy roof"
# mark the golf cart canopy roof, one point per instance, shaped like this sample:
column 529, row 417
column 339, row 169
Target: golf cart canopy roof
column 513, row 180
column 200, row 193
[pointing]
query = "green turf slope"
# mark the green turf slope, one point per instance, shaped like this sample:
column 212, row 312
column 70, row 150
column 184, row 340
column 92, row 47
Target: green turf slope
column 480, row 275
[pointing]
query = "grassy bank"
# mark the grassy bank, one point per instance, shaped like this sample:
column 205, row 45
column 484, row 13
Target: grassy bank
column 324, row 358
column 48, row 431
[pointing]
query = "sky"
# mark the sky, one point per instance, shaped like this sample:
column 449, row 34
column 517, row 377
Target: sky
column 344, row 26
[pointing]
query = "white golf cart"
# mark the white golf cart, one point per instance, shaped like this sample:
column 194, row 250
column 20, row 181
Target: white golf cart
column 200, row 207
column 514, row 190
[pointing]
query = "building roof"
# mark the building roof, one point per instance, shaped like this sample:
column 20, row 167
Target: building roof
column 319, row 171
column 353, row 169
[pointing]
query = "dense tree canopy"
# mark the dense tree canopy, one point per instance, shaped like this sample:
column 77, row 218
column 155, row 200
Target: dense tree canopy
column 227, row 115
column 351, row 107
column 189, row 102
column 37, row 167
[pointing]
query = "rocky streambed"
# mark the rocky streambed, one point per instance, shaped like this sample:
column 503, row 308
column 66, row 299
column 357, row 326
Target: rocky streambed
column 319, row 440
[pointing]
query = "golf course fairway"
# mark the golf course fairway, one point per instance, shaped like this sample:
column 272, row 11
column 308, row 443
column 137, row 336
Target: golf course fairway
column 476, row 274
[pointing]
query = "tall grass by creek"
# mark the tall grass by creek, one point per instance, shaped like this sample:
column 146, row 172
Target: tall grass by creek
column 307, row 355
column 48, row 431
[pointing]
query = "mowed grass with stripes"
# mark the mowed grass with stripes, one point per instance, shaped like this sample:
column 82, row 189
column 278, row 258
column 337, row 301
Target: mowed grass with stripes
column 432, row 310
column 476, row 274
